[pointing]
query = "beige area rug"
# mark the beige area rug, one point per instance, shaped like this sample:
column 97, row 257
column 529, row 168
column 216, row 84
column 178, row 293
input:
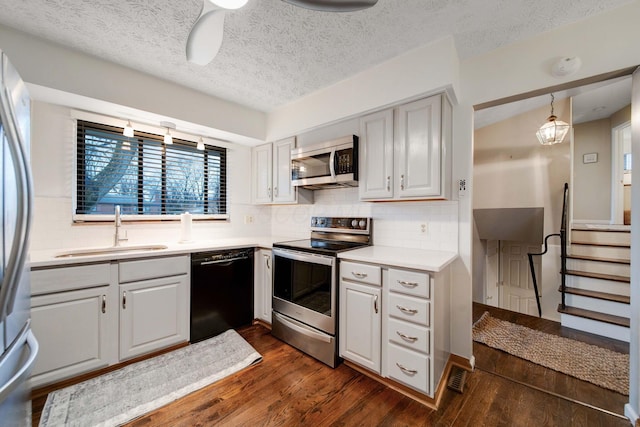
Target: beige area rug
column 597, row 365
column 122, row 395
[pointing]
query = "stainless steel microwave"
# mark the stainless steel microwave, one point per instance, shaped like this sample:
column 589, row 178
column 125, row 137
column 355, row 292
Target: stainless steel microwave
column 329, row 164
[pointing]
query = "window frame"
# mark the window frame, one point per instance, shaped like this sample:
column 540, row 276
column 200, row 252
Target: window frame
column 148, row 133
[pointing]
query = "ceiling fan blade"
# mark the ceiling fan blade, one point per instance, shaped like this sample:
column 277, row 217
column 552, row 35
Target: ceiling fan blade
column 333, row 5
column 205, row 37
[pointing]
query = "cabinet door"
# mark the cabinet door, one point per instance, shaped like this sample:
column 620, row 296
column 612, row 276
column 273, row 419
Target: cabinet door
column 360, row 324
column 263, row 286
column 418, row 149
column 76, row 330
column 283, row 191
column 376, row 156
column 153, row 314
column 262, row 164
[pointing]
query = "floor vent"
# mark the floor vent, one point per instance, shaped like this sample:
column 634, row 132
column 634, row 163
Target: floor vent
column 457, row 378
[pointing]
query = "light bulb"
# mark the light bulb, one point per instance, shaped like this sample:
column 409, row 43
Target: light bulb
column 229, row 4
column 128, row 130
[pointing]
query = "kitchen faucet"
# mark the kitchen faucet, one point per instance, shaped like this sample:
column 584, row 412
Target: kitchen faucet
column 118, row 223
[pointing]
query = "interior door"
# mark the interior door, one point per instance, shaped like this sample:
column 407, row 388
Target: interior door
column 516, row 290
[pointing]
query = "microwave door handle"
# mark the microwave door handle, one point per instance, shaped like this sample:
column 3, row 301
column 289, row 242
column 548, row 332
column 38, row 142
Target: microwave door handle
column 332, row 164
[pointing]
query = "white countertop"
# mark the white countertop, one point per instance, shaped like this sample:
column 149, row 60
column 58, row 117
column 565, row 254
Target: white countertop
column 419, row 259
column 48, row 258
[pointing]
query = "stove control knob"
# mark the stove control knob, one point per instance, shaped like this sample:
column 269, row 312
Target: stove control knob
column 362, row 223
column 354, row 223
column 322, row 222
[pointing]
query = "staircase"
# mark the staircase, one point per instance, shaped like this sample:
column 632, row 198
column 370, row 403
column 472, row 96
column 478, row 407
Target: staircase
column 597, row 285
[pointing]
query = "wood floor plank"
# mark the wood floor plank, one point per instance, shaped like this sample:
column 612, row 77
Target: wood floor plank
column 288, row 388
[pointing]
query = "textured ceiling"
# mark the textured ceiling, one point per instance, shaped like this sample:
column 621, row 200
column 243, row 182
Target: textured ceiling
column 273, row 52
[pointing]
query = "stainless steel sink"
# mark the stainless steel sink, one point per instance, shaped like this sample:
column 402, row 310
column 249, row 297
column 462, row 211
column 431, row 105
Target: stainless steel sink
column 109, row 250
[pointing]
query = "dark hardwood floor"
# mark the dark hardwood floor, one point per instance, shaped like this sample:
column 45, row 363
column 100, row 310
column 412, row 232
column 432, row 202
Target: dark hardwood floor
column 291, row 389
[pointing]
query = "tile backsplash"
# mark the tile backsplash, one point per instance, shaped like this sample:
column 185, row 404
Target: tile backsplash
column 424, row 225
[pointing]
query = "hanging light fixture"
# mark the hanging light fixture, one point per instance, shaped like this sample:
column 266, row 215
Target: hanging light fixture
column 554, row 130
column 168, row 139
column 200, row 145
column 128, row 130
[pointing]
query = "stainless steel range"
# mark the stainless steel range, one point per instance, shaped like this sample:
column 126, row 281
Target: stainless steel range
column 305, row 294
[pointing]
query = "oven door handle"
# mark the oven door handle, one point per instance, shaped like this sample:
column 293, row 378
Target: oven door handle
column 304, row 257
column 304, row 331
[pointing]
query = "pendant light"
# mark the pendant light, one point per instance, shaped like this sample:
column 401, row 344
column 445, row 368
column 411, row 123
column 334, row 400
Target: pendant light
column 168, row 139
column 128, row 130
column 554, row 130
column 200, row 145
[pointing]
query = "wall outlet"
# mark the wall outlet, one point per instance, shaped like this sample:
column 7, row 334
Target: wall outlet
column 462, row 187
column 248, row 219
column 423, row 228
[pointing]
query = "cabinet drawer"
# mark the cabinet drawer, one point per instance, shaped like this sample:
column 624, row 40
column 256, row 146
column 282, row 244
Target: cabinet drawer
column 153, row 268
column 408, row 367
column 409, row 282
column 70, row 278
column 408, row 335
column 409, row 308
column 361, row 273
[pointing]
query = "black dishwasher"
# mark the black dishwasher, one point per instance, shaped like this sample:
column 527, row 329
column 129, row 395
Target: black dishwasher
column 221, row 291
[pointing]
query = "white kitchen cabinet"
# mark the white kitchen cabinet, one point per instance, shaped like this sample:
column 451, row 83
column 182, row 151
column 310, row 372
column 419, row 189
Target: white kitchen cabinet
column 405, row 152
column 395, row 322
column 360, row 315
column 154, row 304
column 271, row 167
column 263, row 285
column 74, row 316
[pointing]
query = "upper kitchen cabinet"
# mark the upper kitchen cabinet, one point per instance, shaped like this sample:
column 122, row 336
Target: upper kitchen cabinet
column 271, row 166
column 405, row 152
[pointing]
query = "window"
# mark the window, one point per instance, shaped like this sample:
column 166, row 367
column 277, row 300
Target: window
column 146, row 177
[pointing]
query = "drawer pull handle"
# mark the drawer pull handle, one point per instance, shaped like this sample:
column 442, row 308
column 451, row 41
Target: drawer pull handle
column 124, row 300
column 407, row 310
column 104, row 304
column 388, row 182
column 407, row 337
column 406, row 370
column 375, row 303
column 408, row 284
column 359, row 275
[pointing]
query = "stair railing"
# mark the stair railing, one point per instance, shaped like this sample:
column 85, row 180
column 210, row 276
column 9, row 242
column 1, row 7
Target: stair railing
column 563, row 253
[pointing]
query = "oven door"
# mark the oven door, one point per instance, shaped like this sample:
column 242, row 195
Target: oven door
column 304, row 288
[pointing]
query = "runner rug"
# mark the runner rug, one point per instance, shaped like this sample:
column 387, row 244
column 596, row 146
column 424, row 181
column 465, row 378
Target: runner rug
column 122, row 395
column 597, row 365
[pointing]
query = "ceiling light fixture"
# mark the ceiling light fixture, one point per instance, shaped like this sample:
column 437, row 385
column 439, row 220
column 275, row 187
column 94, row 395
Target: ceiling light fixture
column 229, row 4
column 333, row 5
column 554, row 130
column 200, row 145
column 168, row 139
column 128, row 129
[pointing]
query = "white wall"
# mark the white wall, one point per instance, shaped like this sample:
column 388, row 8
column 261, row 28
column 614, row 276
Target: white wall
column 52, row 158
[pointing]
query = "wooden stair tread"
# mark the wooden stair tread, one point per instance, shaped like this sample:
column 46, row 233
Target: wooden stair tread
column 594, row 315
column 607, row 245
column 612, row 277
column 597, row 294
column 604, row 229
column 594, row 258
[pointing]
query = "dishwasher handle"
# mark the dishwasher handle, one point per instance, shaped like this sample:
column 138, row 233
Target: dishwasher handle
column 222, row 261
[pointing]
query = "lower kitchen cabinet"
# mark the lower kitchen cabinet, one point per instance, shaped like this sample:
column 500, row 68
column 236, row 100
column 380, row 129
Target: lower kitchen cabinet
column 90, row 316
column 263, row 286
column 399, row 328
column 360, row 314
column 74, row 317
column 154, row 304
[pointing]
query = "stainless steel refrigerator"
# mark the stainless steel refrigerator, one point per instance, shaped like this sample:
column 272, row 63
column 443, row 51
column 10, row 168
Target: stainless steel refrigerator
column 17, row 343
